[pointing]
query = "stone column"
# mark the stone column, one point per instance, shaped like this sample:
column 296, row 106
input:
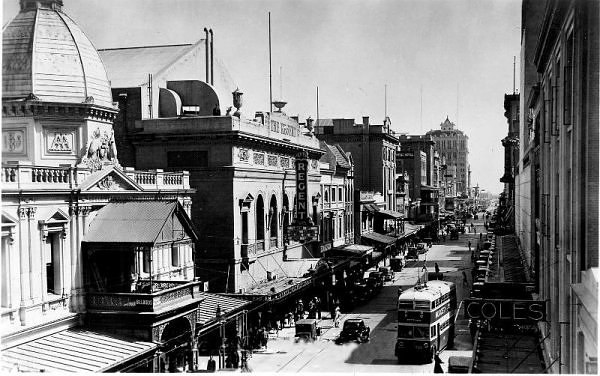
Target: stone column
column 34, row 255
column 43, row 277
column 65, row 281
column 77, row 298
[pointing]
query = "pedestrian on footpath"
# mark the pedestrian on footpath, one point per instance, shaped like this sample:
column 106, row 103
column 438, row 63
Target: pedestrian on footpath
column 437, row 268
column 469, row 245
column 465, row 279
column 338, row 317
column 438, row 364
column 481, row 236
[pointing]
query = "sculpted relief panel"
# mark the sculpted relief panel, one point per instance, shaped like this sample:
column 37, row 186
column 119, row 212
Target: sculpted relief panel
column 14, row 142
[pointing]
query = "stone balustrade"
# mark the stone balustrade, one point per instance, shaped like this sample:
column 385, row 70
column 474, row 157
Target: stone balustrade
column 170, row 293
column 24, row 175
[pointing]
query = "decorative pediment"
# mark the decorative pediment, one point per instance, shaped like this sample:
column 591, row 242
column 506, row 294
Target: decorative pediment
column 57, row 216
column 111, row 179
column 52, row 219
column 246, row 202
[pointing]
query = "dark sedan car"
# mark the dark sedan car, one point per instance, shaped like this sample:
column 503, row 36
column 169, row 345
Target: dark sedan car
column 354, row 330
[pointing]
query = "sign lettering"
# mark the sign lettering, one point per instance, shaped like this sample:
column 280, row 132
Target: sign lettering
column 500, row 309
column 301, row 189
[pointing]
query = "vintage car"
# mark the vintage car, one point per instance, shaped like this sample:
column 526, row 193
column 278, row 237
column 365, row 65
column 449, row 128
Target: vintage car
column 361, row 291
column 412, row 253
column 388, row 274
column 354, row 330
column 454, row 234
column 422, row 247
column 397, row 263
column 307, row 330
column 377, row 279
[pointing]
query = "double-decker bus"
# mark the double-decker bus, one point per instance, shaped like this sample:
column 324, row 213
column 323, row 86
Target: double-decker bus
column 425, row 320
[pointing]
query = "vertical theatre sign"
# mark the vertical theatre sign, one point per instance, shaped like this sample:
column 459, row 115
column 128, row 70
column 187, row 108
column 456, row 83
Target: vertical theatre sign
column 302, row 229
column 301, row 189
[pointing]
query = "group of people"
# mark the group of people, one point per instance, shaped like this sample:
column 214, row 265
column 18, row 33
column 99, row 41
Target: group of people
column 258, row 337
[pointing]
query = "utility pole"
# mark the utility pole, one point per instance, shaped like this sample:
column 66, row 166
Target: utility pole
column 270, row 72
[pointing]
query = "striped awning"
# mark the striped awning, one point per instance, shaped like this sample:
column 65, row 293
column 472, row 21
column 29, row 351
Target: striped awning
column 73, row 350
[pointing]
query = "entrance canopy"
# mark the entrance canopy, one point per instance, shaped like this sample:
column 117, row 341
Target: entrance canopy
column 74, row 350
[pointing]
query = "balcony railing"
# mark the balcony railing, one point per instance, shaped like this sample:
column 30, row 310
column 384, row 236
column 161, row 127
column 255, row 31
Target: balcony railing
column 23, row 175
column 169, row 294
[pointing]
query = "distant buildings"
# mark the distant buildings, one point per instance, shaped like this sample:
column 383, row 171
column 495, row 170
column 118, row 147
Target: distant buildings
column 452, row 146
column 416, row 158
column 556, row 183
column 373, row 149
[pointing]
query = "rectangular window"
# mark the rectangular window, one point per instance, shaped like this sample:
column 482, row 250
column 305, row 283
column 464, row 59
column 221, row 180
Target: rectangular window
column 175, row 255
column 146, row 266
column 340, row 197
column 332, row 194
column 187, row 159
column 51, row 263
column 568, row 82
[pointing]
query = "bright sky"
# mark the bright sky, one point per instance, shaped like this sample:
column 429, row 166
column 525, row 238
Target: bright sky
column 458, row 53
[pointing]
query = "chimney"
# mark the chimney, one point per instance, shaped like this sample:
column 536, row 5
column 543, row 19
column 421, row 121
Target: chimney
column 206, row 53
column 365, row 122
column 212, row 70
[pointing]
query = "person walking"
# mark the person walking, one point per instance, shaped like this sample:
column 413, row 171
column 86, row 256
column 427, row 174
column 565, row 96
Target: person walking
column 469, row 245
column 438, row 364
column 338, row 316
column 437, row 268
column 318, row 307
column 465, row 279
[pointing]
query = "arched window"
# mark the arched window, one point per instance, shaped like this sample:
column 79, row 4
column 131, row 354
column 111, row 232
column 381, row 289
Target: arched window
column 273, row 217
column 260, row 219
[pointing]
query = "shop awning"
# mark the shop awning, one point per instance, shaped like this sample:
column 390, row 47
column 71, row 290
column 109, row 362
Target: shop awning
column 74, row 350
column 389, row 214
column 377, row 255
column 207, row 311
column 379, row 238
column 371, row 208
column 410, row 229
column 352, row 250
column 274, row 290
column 506, row 217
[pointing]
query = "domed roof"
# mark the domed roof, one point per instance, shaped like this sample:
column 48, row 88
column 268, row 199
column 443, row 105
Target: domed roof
column 46, row 54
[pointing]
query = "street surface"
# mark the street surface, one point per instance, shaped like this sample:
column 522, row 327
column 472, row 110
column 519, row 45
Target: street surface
column 283, row 354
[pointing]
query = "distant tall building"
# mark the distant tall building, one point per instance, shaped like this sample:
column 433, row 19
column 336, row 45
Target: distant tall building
column 452, row 145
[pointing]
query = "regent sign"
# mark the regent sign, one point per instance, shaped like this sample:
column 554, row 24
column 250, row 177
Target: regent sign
column 502, row 309
column 301, row 189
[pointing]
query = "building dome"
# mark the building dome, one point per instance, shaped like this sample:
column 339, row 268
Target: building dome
column 46, row 54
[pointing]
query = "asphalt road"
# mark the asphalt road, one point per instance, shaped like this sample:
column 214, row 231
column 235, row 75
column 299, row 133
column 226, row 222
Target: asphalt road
column 284, row 354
